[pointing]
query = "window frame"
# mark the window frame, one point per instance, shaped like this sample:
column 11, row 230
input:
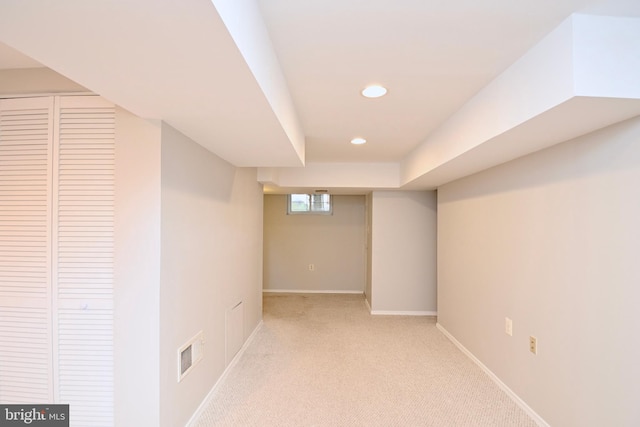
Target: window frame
column 290, row 211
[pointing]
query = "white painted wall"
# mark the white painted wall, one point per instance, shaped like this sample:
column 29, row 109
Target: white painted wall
column 188, row 247
column 24, row 81
column 334, row 175
column 403, row 252
column 607, row 56
column 137, row 271
column 335, row 244
column 369, row 212
column 211, row 259
column 551, row 240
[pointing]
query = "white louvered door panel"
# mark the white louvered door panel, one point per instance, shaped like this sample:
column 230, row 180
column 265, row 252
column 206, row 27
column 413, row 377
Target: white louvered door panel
column 84, row 249
column 26, row 133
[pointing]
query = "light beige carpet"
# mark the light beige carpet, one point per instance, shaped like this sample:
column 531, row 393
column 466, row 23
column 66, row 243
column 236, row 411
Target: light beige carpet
column 323, row 360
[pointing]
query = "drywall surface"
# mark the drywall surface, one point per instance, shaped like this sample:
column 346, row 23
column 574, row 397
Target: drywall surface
column 551, row 241
column 333, row 244
column 403, row 251
column 137, row 271
column 22, row 81
column 211, row 259
column 369, row 212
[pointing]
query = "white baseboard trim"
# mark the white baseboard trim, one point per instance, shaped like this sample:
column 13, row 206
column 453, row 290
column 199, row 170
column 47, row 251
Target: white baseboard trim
column 521, row 403
column 397, row 313
column 403, row 313
column 366, row 301
column 203, row 406
column 305, row 291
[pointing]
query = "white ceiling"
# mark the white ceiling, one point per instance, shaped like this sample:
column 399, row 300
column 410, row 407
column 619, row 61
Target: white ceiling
column 432, row 55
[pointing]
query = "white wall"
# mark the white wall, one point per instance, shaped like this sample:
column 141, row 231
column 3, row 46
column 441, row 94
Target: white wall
column 188, row 247
column 368, row 217
column 137, row 271
column 211, row 260
column 335, row 244
column 24, row 81
column 551, row 240
column 403, row 252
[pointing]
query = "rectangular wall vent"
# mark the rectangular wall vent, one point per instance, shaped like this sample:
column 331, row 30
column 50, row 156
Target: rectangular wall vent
column 190, row 354
column 186, row 359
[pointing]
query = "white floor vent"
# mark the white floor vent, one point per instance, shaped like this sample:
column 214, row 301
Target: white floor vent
column 190, row 354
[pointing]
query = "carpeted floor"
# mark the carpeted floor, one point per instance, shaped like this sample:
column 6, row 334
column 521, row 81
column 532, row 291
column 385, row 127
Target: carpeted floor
column 323, row 360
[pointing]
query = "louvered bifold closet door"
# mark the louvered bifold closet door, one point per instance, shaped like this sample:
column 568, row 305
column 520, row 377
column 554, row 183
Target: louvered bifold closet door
column 84, row 249
column 26, row 132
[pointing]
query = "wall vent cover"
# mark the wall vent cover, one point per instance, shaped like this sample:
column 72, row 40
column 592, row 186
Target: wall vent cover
column 190, row 354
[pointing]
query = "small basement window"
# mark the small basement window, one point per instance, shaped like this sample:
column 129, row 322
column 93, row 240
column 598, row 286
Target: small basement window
column 319, row 204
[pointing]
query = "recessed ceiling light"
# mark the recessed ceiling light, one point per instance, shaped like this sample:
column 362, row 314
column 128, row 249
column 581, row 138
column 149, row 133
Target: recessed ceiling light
column 358, row 141
column 374, row 91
